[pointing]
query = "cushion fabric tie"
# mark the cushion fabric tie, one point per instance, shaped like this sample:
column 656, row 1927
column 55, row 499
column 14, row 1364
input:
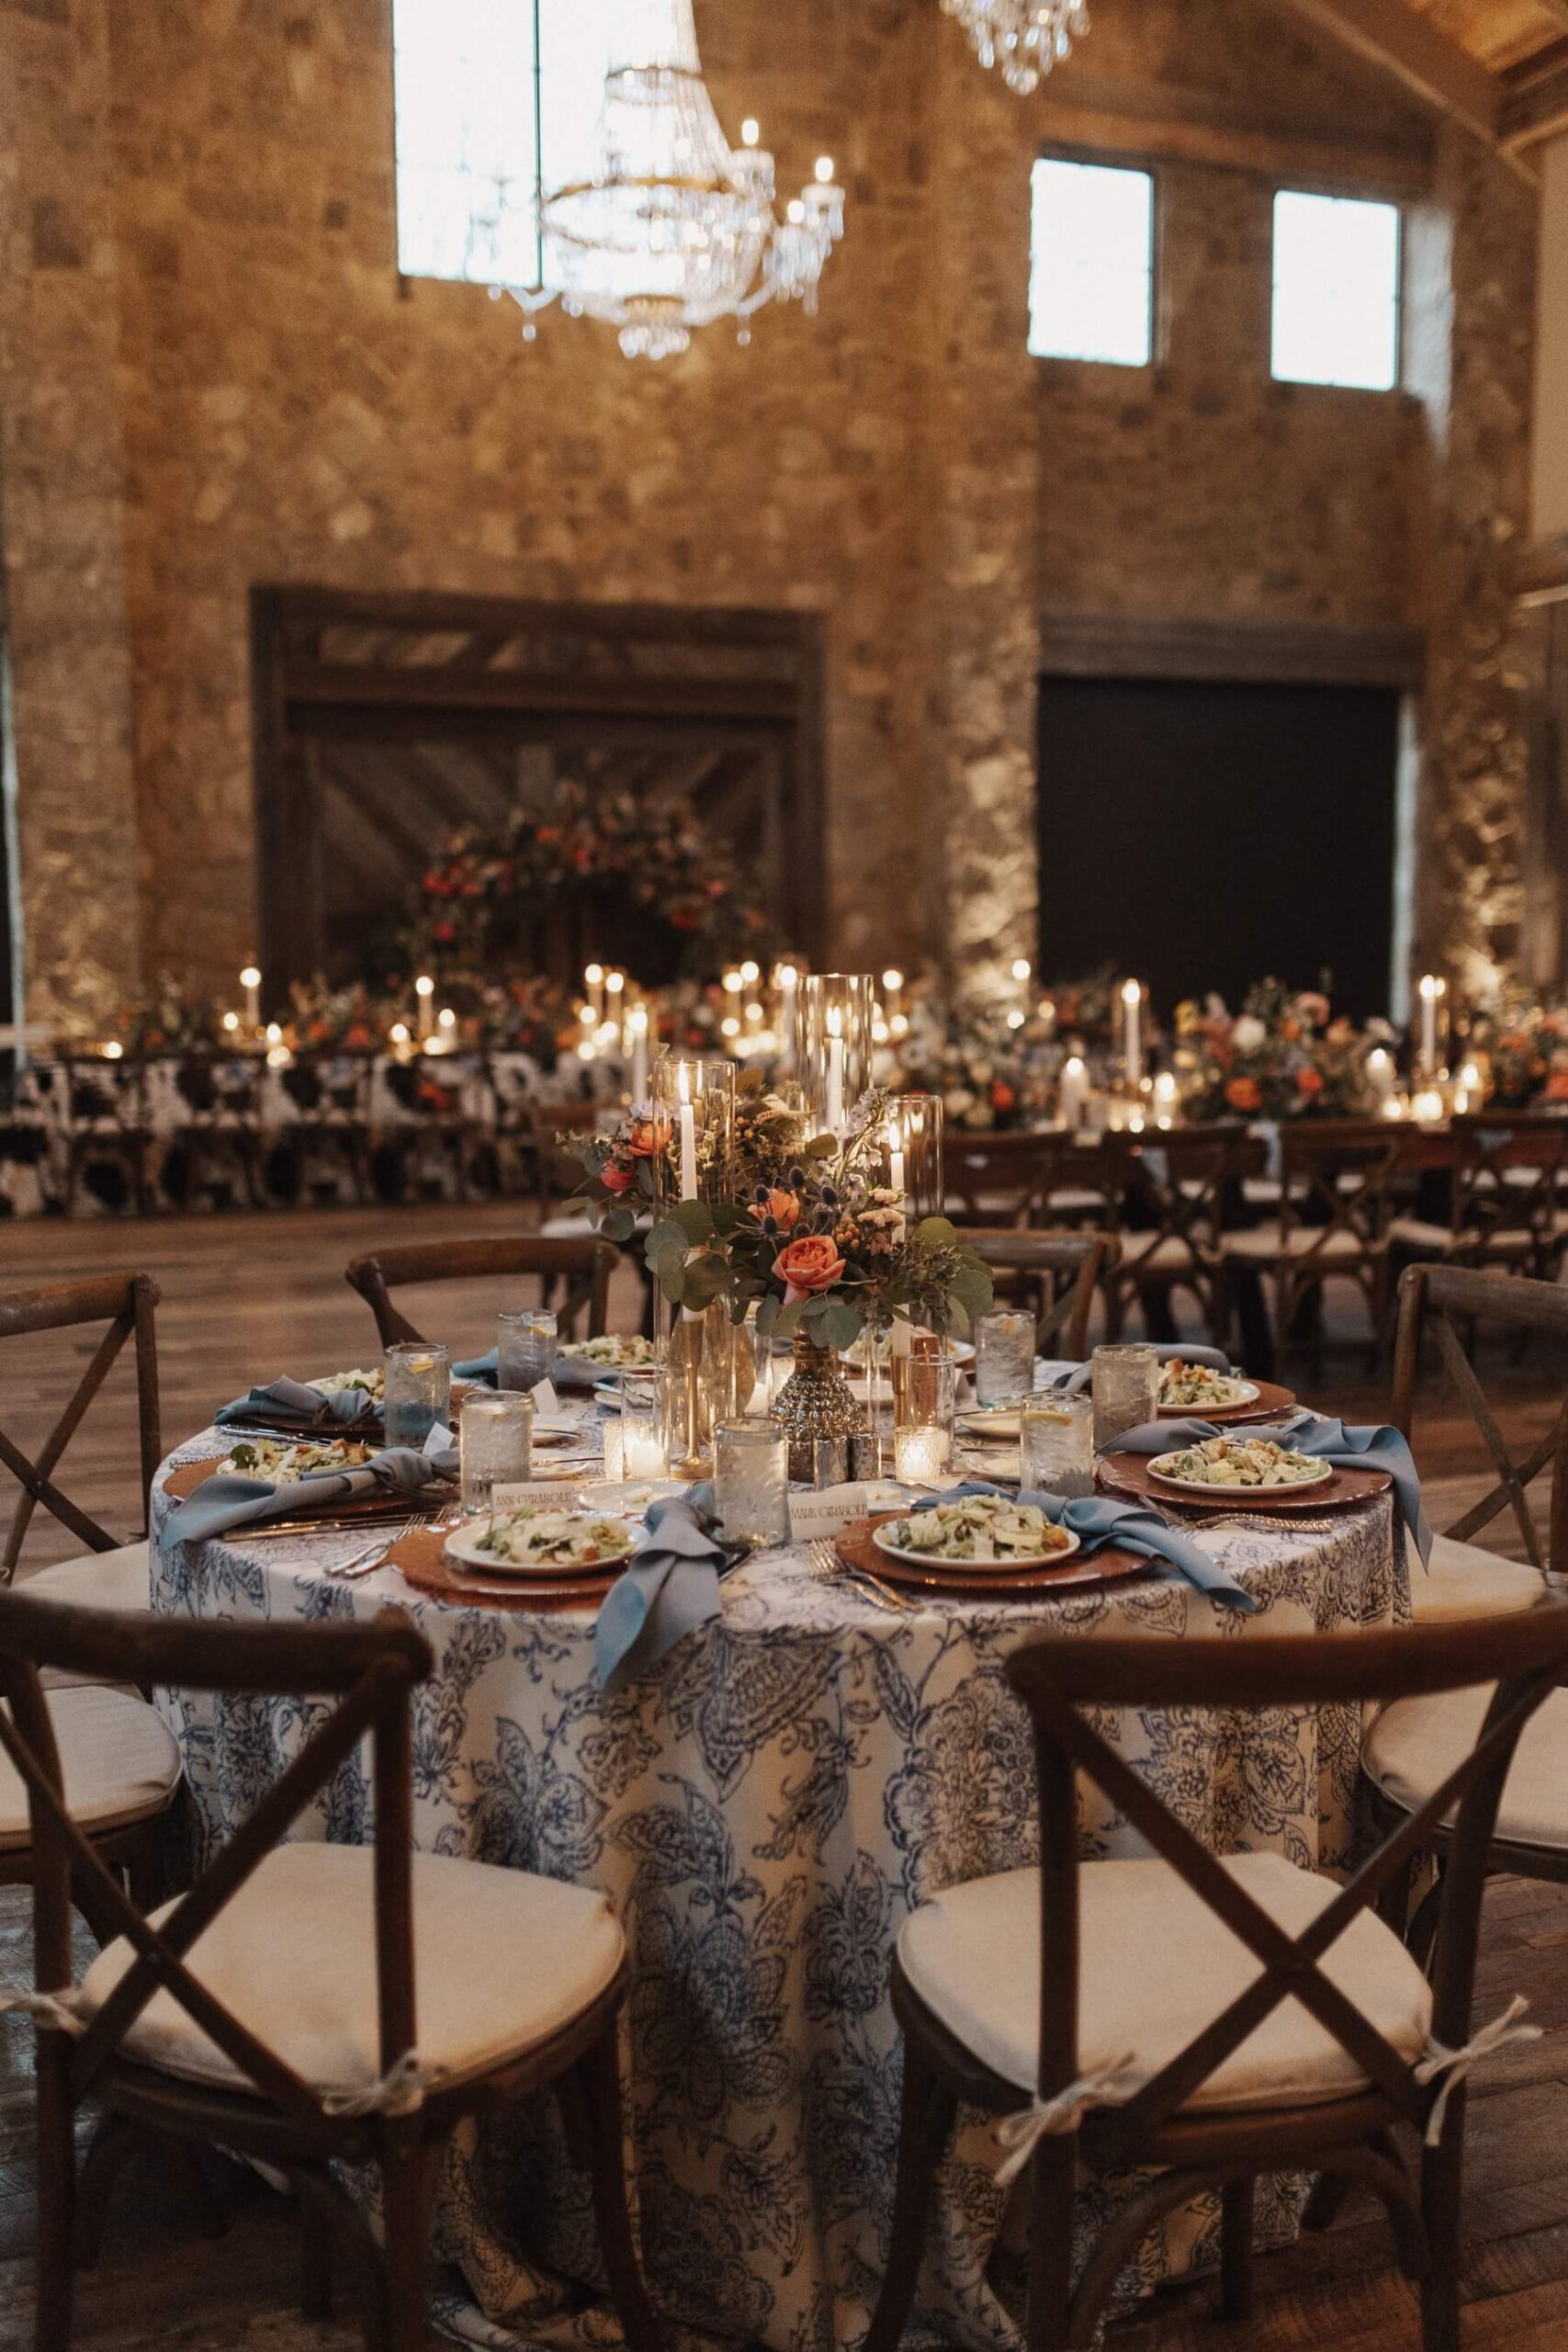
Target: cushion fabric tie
column 400, row 2091
column 57, row 2009
column 1020, row 2133
column 1453, row 2065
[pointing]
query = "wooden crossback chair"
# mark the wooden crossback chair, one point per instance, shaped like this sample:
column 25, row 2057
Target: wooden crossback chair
column 126, row 1304
column 1335, row 1210
column 187, row 2026
column 1094, row 2058
column 1434, row 1301
column 1508, row 1189
column 583, row 1264
column 1169, row 1196
column 1004, row 1179
column 1058, row 1271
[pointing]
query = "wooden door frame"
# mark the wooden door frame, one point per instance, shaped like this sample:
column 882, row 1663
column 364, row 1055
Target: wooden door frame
column 767, row 680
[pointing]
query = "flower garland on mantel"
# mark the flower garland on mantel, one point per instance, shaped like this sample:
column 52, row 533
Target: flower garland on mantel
column 597, row 862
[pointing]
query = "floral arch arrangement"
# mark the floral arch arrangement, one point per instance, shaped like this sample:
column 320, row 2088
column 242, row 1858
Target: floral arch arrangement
column 595, row 874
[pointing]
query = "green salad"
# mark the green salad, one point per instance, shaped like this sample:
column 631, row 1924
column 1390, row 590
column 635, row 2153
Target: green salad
column 978, row 1527
column 565, row 1539
column 1243, row 1461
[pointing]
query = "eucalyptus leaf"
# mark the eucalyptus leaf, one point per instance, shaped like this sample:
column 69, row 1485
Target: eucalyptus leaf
column 933, row 1232
column 706, row 1278
column 618, row 1223
column 768, row 1316
column 841, row 1324
column 695, row 1219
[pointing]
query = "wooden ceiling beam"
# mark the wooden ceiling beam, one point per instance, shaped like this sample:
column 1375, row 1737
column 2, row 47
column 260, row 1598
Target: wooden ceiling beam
column 1389, row 34
column 1534, row 107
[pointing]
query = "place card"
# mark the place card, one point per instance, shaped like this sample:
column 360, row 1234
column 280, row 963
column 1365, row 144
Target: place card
column 438, row 1440
column 529, row 1494
column 547, row 1403
column 826, row 1513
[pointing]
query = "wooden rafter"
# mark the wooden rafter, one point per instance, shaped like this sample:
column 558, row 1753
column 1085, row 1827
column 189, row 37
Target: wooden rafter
column 1534, row 101
column 1405, row 45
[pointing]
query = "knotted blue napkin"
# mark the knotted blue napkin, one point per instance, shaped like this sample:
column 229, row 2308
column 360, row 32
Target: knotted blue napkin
column 292, row 1405
column 230, row 1500
column 1137, row 1527
column 570, row 1372
column 671, row 1588
column 1371, row 1446
column 1167, row 1350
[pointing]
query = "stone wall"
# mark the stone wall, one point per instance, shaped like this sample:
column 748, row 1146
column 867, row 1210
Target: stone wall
column 213, row 377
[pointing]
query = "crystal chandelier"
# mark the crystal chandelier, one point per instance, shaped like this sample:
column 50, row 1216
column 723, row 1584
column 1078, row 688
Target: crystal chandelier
column 1025, row 38
column 675, row 228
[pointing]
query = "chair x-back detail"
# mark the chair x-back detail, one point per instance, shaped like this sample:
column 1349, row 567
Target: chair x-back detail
column 521, row 1979
column 1058, row 1272
column 126, row 1304
column 1288, row 2027
column 1170, row 1196
column 1006, row 1180
column 1335, row 1208
column 583, row 1264
column 1510, row 1191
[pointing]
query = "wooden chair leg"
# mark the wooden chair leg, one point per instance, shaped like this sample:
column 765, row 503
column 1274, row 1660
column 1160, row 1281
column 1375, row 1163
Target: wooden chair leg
column 929, row 2107
column 1441, row 2191
column 1325, row 2203
column 1053, row 2182
column 315, row 2261
column 1236, row 2249
column 56, row 2195
column 407, row 2171
column 596, row 2080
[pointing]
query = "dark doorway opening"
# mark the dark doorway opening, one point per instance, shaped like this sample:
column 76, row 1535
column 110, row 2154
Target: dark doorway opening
column 1206, row 835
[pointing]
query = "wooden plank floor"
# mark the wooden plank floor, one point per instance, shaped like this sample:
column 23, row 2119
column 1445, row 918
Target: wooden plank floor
column 244, row 1297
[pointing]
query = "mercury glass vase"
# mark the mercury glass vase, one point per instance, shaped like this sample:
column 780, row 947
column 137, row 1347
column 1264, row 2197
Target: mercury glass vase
column 816, row 1402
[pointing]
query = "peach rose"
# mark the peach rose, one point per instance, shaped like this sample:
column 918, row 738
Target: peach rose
column 782, row 1206
column 1243, row 1094
column 617, row 1179
column 648, row 1137
column 810, row 1265
column 1309, row 1081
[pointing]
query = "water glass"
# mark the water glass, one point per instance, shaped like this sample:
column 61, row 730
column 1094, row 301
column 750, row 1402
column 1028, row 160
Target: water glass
column 751, row 1482
column 1126, row 1391
column 1004, row 1356
column 495, row 1436
column 418, row 1390
column 1056, row 1444
column 526, row 1347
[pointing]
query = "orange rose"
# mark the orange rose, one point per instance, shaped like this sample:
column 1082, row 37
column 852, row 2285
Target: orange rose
column 1243, row 1093
column 617, row 1179
column 808, row 1265
column 1557, row 1086
column 646, row 1138
column 1309, row 1081
column 782, row 1206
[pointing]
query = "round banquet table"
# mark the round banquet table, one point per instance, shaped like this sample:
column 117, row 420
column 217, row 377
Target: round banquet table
column 763, row 1809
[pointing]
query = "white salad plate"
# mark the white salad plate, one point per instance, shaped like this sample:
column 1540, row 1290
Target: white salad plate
column 463, row 1544
column 1247, row 1393
column 883, row 1537
column 1228, row 1490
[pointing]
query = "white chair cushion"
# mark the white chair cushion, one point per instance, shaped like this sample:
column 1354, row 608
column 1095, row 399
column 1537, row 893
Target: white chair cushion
column 1155, row 1966
column 118, row 1759
column 1415, row 1233
column 1462, row 1580
column 1415, row 1742
column 1267, row 1242
column 503, row 1961
column 1139, row 1256
column 96, row 1580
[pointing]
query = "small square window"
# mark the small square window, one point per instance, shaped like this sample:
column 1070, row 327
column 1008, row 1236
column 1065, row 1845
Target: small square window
column 1336, row 291
column 1091, row 266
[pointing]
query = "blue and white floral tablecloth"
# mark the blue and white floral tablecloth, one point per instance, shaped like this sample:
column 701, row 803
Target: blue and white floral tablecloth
column 763, row 1811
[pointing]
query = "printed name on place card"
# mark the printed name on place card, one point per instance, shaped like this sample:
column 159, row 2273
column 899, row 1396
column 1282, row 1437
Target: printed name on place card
column 532, row 1493
column 825, row 1513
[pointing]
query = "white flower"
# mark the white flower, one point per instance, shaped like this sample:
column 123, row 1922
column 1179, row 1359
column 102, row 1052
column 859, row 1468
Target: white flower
column 1248, row 1033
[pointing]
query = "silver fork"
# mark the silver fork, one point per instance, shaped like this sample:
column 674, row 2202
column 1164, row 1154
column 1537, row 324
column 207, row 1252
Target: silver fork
column 360, row 1564
column 823, row 1559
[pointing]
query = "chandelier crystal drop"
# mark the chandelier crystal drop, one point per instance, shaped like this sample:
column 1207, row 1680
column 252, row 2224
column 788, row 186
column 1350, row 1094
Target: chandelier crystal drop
column 1025, row 38
column 676, row 229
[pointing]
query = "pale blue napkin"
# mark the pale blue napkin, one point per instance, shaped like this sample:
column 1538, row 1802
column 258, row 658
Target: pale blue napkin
column 1369, row 1446
column 1097, row 1521
column 290, row 1404
column 670, row 1589
column 570, row 1372
column 1167, row 1350
column 230, row 1500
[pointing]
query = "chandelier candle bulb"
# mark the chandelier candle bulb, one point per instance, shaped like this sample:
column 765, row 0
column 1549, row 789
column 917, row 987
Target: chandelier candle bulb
column 424, row 990
column 250, row 980
column 1132, row 1030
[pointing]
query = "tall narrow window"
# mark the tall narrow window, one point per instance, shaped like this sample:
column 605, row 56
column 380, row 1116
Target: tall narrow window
column 1091, row 266
column 1336, row 291
column 491, row 96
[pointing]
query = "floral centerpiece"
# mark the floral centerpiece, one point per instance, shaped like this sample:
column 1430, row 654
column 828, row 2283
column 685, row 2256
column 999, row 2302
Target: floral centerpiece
column 989, row 1074
column 1520, row 1048
column 1282, row 1057
column 802, row 1227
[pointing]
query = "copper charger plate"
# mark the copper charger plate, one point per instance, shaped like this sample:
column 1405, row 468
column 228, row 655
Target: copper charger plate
column 421, row 1559
column 1270, row 1400
column 183, row 1482
column 1129, row 1474
column 858, row 1552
